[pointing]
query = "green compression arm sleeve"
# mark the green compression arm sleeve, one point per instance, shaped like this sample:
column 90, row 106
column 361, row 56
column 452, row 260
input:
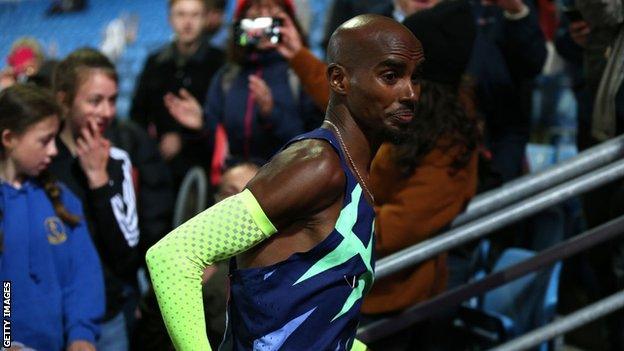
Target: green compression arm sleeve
column 177, row 261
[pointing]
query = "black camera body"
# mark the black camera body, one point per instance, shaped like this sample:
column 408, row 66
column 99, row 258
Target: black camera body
column 248, row 32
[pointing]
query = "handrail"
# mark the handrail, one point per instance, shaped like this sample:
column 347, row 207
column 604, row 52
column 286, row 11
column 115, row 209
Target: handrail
column 480, row 227
column 196, row 176
column 530, row 184
column 578, row 318
column 449, row 299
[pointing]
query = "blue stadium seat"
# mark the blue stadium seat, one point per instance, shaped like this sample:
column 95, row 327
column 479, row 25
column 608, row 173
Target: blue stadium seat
column 515, row 308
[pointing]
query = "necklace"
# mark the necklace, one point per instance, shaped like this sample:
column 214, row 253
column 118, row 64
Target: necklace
column 342, row 143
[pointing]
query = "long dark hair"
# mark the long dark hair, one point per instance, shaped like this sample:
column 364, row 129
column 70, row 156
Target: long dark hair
column 446, row 118
column 21, row 106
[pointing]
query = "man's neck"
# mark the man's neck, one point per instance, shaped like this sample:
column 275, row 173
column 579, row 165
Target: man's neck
column 188, row 48
column 361, row 146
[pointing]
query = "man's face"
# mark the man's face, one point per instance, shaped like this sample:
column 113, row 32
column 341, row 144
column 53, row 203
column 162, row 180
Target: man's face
column 94, row 101
column 409, row 7
column 187, row 20
column 384, row 87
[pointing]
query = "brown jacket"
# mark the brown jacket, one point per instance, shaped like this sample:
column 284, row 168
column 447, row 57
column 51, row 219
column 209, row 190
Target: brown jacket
column 409, row 210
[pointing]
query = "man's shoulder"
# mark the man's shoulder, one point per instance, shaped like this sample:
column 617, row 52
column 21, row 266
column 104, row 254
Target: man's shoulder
column 302, row 180
column 315, row 153
column 161, row 55
column 310, row 163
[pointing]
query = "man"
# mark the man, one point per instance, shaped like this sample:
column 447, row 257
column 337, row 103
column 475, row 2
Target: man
column 183, row 67
column 303, row 226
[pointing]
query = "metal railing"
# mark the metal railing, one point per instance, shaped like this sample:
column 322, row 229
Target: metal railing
column 455, row 297
column 578, row 318
column 498, row 208
column 481, row 227
column 530, row 184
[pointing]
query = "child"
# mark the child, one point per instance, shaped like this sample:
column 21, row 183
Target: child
column 85, row 84
column 47, row 254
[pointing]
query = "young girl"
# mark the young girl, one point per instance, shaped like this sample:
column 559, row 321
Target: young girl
column 47, row 255
column 85, row 83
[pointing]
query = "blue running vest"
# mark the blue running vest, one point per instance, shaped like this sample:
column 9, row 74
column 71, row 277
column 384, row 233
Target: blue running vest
column 312, row 300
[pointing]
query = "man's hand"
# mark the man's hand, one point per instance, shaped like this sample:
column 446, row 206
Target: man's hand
column 185, row 109
column 170, row 145
column 579, row 31
column 93, row 151
column 81, row 345
column 261, row 94
column 291, row 42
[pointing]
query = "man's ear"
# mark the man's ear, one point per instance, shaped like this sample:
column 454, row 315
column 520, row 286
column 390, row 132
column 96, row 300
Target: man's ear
column 338, row 78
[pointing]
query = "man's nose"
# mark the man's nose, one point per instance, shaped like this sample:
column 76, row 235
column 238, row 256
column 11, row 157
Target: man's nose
column 411, row 93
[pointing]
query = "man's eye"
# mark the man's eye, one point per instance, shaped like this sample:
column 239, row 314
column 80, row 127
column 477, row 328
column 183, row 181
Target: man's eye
column 389, row 77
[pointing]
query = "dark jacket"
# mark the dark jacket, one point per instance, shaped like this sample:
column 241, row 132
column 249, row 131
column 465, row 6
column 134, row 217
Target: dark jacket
column 507, row 56
column 152, row 180
column 111, row 215
column 167, row 71
column 228, row 103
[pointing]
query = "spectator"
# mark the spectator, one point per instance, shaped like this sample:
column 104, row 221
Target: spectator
column 47, row 253
column 213, row 20
column 85, row 83
column 181, row 68
column 509, row 52
column 24, row 61
column 275, row 109
column 343, row 10
column 604, row 73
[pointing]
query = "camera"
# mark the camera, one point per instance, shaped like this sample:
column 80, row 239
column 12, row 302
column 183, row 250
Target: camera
column 248, row 32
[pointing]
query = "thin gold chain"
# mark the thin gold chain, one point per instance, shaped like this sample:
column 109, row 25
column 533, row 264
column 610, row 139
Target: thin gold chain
column 351, row 160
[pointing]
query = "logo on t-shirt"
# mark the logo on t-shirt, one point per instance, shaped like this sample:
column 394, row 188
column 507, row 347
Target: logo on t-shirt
column 55, row 230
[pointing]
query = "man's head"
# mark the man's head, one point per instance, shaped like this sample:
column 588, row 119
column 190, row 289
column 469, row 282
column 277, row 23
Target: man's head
column 373, row 71
column 187, row 19
column 409, row 7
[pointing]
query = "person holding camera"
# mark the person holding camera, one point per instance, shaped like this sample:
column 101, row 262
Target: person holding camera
column 255, row 96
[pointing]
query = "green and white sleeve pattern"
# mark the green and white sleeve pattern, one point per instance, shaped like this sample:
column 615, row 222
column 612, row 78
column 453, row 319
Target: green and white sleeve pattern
column 177, row 261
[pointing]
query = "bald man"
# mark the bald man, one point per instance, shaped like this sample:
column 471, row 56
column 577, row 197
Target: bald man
column 302, row 230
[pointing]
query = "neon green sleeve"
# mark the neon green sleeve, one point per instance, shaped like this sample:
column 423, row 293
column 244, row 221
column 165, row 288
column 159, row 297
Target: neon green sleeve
column 358, row 346
column 177, row 261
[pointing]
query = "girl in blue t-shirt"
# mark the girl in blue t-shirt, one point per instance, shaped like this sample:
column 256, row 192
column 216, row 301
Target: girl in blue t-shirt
column 48, row 262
